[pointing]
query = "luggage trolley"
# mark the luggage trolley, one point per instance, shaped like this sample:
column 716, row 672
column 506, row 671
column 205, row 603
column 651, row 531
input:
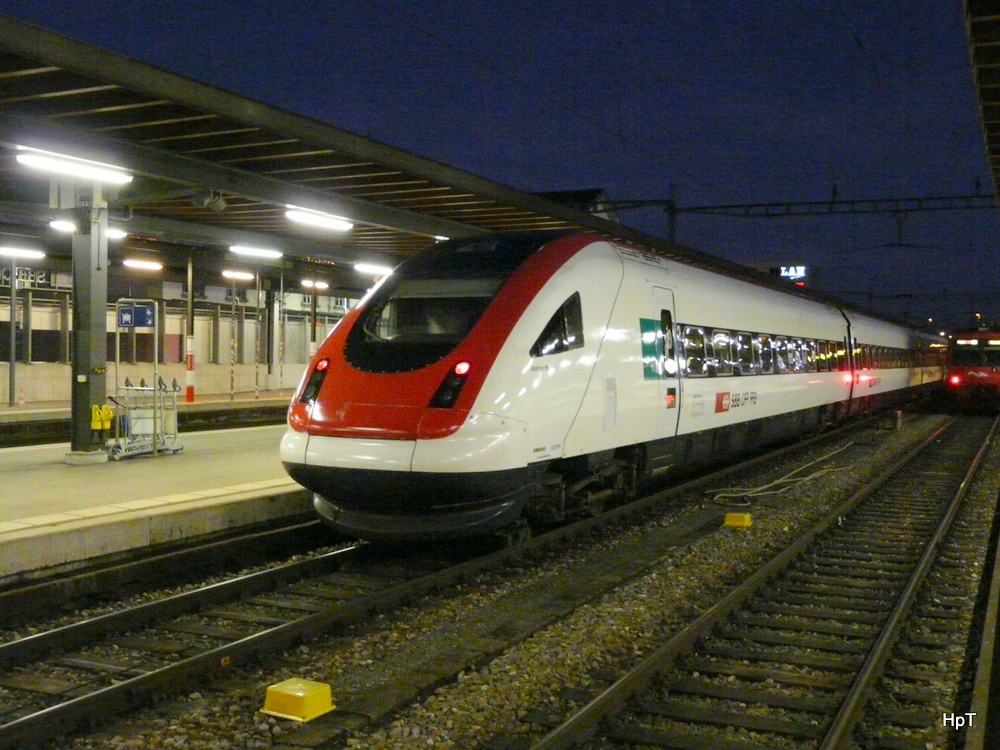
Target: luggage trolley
column 145, row 415
column 145, row 421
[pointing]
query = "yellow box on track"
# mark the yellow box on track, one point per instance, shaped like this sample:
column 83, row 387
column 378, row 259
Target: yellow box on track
column 737, row 519
column 301, row 700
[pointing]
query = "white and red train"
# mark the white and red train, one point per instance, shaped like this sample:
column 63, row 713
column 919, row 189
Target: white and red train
column 542, row 375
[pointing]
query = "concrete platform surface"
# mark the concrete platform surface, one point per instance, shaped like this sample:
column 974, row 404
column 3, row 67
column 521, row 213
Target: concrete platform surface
column 54, row 514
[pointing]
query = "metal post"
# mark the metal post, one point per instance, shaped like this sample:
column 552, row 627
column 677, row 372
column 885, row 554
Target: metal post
column 232, row 346
column 26, row 308
column 281, row 332
column 12, row 396
column 189, row 338
column 313, row 322
column 64, row 323
column 216, row 353
column 256, row 354
column 157, row 396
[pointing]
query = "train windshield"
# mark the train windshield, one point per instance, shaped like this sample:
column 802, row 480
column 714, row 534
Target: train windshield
column 431, row 302
column 980, row 357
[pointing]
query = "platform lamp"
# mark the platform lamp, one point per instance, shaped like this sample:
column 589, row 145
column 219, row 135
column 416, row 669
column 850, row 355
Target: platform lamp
column 15, row 253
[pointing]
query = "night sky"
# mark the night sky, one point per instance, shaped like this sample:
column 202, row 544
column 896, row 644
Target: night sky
column 741, row 101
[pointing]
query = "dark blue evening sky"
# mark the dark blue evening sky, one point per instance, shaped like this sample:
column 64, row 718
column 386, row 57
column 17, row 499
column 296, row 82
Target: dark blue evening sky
column 733, row 102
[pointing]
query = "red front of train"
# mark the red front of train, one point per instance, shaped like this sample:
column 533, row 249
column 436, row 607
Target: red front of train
column 401, row 372
column 973, row 376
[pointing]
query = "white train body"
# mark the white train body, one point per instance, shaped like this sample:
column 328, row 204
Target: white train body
column 590, row 366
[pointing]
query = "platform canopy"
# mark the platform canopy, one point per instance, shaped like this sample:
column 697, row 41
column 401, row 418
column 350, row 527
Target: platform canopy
column 212, row 168
column 983, row 25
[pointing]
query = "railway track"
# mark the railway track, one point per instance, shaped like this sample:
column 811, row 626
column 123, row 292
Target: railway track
column 58, row 680
column 791, row 658
column 77, row 676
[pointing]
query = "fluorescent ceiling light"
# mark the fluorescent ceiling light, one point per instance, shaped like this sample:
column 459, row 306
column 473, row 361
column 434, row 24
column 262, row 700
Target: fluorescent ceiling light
column 373, row 269
column 318, row 219
column 309, row 284
column 116, row 234
column 143, row 265
column 72, row 166
column 255, row 252
column 238, row 275
column 18, row 252
column 63, row 225
column 440, row 237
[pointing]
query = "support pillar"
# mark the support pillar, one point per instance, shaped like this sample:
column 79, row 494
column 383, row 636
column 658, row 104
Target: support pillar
column 90, row 337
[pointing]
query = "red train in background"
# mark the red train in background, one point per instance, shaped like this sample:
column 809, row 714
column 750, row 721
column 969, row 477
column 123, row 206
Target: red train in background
column 973, row 375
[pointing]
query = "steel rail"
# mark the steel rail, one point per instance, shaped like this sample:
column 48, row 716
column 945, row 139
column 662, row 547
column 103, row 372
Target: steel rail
column 87, row 710
column 584, row 723
column 839, row 734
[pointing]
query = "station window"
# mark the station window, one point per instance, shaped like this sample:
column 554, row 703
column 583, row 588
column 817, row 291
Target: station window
column 695, row 364
column 564, row 331
column 723, row 352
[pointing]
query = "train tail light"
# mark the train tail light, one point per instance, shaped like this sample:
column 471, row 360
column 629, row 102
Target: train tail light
column 311, row 391
column 451, row 386
column 955, row 380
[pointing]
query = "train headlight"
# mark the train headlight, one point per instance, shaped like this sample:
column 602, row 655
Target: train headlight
column 451, row 386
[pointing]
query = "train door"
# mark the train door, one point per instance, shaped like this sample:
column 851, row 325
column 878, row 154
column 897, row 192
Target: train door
column 667, row 362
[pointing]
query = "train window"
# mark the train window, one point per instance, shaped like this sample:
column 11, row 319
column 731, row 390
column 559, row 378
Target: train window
column 809, row 355
column 779, row 349
column 840, row 350
column 795, row 355
column 695, row 364
column 420, row 313
column 564, row 331
column 745, row 354
column 669, row 349
column 822, row 356
column 722, row 344
column 764, row 353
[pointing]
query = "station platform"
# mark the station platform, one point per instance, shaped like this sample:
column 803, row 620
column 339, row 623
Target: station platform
column 57, row 515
